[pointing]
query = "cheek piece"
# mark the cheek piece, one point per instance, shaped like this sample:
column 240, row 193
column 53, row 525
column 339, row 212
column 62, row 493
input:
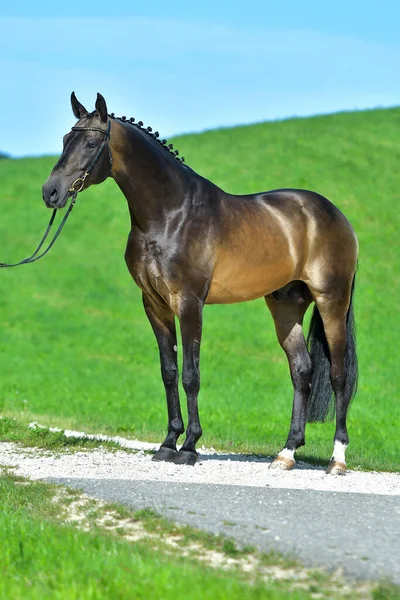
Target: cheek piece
column 78, row 184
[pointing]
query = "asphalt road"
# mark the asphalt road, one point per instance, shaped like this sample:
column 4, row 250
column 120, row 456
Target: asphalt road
column 358, row 532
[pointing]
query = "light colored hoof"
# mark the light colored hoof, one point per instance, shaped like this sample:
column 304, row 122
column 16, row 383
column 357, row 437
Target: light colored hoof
column 282, row 463
column 336, row 468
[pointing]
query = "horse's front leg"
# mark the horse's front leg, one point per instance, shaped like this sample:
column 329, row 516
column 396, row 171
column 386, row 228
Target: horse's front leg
column 190, row 316
column 162, row 321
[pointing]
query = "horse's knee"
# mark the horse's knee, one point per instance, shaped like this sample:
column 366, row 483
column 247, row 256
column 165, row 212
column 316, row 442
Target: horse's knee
column 191, row 381
column 169, row 375
column 191, row 385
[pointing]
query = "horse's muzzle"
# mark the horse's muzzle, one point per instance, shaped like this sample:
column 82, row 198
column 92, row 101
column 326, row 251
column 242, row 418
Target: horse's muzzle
column 52, row 196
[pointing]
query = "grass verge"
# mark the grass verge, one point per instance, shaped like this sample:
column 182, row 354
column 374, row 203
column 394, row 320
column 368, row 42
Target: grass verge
column 14, row 430
column 58, row 543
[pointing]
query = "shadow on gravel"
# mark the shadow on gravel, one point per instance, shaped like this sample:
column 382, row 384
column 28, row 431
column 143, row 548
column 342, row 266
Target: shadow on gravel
column 254, row 458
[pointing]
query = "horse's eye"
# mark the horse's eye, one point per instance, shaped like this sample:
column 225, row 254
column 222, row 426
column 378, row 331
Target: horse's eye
column 91, row 144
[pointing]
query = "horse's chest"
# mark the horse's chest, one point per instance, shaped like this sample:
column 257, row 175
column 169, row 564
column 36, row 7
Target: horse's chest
column 149, row 264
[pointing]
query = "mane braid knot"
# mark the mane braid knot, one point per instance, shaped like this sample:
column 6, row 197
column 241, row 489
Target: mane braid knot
column 155, row 135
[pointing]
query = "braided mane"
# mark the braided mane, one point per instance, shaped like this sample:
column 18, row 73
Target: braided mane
column 156, row 136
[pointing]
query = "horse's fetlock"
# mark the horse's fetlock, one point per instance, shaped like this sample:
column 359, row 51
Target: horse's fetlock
column 342, row 437
column 176, row 425
column 295, row 440
column 195, row 431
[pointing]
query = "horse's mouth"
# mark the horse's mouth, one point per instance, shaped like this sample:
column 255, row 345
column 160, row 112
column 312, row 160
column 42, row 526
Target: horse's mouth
column 56, row 204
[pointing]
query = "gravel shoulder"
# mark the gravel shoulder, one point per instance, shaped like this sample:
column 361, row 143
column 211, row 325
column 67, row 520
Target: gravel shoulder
column 213, row 467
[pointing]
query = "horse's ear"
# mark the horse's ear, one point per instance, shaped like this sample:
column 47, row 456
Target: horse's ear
column 78, row 108
column 101, row 108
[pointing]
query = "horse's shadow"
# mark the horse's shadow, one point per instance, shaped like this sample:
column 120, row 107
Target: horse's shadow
column 235, row 457
column 305, row 463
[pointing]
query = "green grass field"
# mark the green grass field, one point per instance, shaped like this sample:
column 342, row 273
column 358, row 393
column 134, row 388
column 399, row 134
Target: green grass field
column 76, row 348
column 42, row 559
column 46, row 554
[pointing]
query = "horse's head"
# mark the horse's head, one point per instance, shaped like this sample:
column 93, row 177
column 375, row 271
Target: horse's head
column 86, row 157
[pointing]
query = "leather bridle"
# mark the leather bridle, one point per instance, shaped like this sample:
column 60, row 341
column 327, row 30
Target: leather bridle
column 81, row 180
column 76, row 187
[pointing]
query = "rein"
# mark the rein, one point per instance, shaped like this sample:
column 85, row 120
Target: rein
column 76, row 187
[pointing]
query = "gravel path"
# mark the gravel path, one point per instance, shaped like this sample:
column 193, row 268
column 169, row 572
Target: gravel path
column 351, row 522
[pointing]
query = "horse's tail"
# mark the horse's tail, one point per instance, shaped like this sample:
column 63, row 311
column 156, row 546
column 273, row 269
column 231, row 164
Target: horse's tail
column 321, row 405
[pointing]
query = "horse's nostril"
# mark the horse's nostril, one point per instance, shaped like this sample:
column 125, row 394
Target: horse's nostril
column 54, row 194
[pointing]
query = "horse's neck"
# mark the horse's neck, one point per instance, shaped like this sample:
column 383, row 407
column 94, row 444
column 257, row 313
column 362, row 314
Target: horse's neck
column 152, row 181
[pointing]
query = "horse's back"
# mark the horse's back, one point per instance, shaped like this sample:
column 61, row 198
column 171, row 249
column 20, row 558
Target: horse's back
column 291, row 202
column 272, row 238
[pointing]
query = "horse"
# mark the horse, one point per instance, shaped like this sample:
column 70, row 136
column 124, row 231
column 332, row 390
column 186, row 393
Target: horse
column 191, row 244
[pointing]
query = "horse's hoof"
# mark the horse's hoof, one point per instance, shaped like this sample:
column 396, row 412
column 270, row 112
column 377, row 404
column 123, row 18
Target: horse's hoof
column 282, row 463
column 165, row 454
column 183, row 457
column 336, row 468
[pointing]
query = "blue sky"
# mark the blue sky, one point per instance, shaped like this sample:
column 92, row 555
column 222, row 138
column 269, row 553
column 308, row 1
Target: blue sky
column 182, row 66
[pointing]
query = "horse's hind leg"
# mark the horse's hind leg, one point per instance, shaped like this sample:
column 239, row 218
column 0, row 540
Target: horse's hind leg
column 162, row 321
column 335, row 331
column 288, row 308
column 333, row 310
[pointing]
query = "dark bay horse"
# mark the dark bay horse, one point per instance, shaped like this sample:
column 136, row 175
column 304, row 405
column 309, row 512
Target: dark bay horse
column 192, row 244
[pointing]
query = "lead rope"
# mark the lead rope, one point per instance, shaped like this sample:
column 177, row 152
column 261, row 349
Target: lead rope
column 35, row 255
column 72, row 193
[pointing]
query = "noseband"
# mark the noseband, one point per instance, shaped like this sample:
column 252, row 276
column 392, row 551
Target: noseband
column 76, row 187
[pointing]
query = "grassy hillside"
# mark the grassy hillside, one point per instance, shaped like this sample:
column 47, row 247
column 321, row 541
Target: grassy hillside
column 75, row 345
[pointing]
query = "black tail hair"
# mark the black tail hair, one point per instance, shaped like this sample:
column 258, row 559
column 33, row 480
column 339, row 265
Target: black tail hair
column 321, row 405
